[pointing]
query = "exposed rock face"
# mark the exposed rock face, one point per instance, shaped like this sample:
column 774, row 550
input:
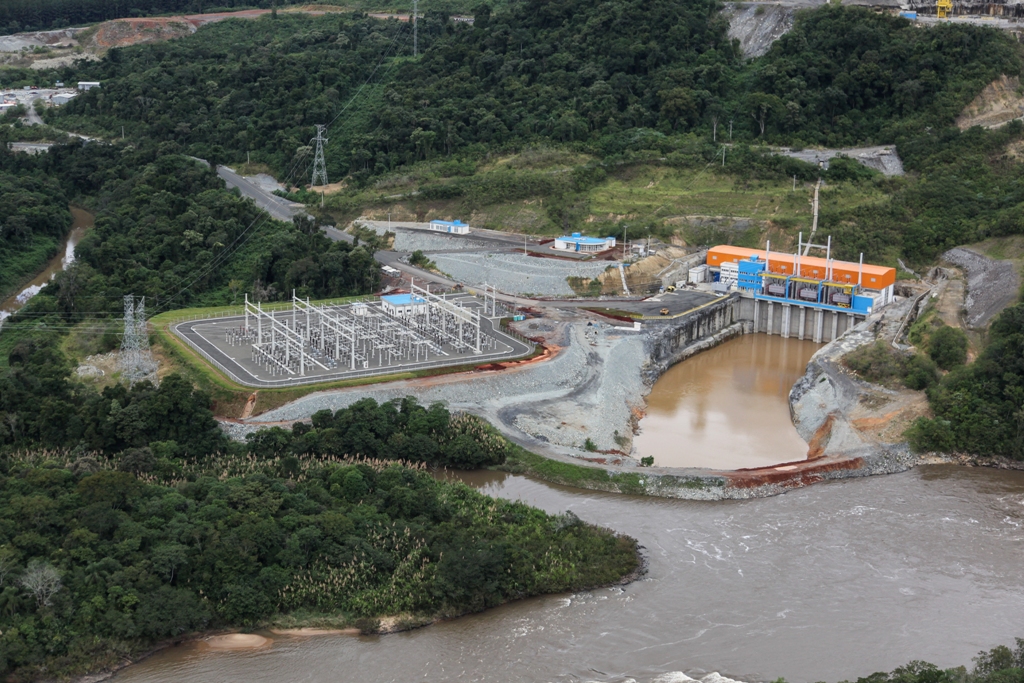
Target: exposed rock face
column 991, row 285
column 999, row 103
column 758, row 25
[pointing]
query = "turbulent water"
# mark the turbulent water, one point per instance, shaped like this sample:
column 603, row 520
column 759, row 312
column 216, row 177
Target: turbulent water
column 727, row 407
column 826, row 583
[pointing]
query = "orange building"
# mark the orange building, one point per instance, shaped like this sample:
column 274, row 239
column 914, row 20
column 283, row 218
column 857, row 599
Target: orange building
column 870, row 277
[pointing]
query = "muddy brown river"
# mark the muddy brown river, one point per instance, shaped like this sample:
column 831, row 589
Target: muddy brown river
column 727, row 407
column 825, row 583
column 83, row 220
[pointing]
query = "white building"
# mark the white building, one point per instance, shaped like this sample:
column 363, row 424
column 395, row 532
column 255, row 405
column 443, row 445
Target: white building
column 63, row 98
column 401, row 305
column 579, row 243
column 88, row 85
column 455, row 227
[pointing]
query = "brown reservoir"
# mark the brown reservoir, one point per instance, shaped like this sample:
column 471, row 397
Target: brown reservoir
column 728, row 407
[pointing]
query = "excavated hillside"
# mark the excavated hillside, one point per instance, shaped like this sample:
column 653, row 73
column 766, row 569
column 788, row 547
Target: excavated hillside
column 124, row 32
column 1000, row 102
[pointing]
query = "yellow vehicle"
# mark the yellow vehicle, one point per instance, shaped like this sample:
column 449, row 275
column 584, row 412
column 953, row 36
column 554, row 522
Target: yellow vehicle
column 664, row 311
column 670, row 288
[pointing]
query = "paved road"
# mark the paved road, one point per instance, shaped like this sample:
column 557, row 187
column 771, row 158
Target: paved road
column 278, row 207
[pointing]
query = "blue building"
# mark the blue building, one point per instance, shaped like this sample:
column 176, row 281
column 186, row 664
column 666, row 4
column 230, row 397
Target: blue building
column 579, row 243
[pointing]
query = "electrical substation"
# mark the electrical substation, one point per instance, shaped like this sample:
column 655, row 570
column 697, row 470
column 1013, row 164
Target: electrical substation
column 308, row 342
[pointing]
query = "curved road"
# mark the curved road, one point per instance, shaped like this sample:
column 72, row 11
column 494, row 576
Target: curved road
column 283, row 210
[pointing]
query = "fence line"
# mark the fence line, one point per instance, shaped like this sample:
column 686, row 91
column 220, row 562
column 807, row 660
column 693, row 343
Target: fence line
column 352, row 374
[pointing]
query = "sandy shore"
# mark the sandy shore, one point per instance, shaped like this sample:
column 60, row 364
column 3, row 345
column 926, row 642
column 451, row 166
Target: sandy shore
column 236, row 641
column 315, row 631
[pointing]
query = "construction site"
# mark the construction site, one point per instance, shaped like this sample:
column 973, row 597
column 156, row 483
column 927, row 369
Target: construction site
column 308, row 343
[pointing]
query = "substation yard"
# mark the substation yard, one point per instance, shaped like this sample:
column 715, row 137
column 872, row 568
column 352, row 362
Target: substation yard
column 314, row 344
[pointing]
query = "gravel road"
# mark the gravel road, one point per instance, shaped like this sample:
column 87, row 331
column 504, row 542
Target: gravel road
column 991, row 285
column 411, row 240
column 517, row 274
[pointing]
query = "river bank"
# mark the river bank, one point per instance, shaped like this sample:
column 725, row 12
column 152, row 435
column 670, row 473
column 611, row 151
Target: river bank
column 83, row 220
column 311, row 625
column 868, row 571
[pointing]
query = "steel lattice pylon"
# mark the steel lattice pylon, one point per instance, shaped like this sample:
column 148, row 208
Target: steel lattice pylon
column 136, row 360
column 319, row 165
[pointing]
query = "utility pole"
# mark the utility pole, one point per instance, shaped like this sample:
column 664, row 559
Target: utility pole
column 319, row 166
column 415, row 29
column 730, row 130
column 814, row 219
column 723, row 156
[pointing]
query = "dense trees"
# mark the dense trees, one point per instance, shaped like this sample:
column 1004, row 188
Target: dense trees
column 166, row 228
column 402, row 430
column 571, row 73
column 979, row 408
column 1001, row 664
column 34, row 218
column 99, row 563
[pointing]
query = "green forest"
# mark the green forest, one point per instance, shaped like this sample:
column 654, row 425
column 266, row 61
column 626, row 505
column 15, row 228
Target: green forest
column 1001, row 664
column 34, row 218
column 979, row 408
column 535, row 71
column 100, row 557
column 670, row 89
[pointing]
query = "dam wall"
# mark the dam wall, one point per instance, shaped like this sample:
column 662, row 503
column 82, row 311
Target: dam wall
column 794, row 321
column 669, row 342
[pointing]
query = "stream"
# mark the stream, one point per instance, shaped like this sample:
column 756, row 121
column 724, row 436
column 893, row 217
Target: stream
column 83, row 220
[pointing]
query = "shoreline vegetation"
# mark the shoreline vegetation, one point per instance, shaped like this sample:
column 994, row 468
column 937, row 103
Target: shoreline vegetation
column 112, row 553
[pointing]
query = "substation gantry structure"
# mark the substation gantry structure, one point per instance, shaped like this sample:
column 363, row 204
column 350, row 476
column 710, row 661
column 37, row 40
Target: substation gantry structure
column 317, row 338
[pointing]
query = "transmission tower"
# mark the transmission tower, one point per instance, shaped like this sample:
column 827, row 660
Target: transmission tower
column 415, row 29
column 136, row 360
column 319, row 165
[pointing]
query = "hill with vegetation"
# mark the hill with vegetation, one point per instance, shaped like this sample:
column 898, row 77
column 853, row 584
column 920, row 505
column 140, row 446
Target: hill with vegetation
column 544, row 118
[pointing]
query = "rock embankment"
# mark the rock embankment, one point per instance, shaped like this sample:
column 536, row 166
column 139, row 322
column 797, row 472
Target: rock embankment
column 758, row 25
column 991, row 285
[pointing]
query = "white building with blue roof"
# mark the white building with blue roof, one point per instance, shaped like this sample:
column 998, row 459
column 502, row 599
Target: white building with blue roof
column 580, row 243
column 455, row 227
column 403, row 305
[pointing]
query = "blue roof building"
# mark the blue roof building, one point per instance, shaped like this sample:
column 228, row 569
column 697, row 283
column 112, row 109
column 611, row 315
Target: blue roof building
column 580, row 243
column 403, row 304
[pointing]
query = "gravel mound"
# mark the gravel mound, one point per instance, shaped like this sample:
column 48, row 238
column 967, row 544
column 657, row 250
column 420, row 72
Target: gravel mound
column 991, row 285
column 411, row 240
column 516, row 273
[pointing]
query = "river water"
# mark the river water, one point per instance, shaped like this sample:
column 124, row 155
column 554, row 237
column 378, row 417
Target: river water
column 727, row 407
column 830, row 582
column 83, row 220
